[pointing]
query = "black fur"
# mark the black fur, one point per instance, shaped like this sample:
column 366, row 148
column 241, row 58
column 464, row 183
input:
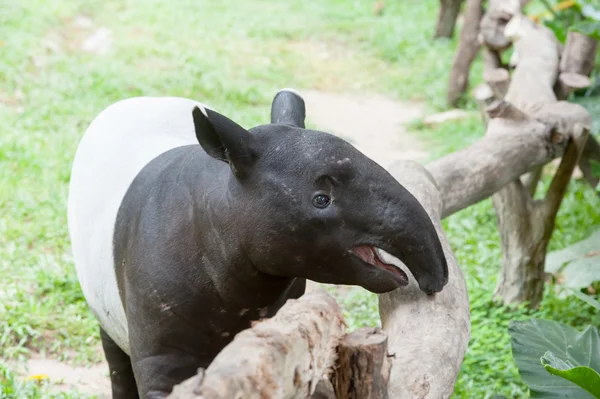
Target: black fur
column 202, row 247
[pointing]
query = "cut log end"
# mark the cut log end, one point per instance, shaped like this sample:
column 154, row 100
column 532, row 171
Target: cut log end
column 363, row 366
column 574, row 80
column 568, row 82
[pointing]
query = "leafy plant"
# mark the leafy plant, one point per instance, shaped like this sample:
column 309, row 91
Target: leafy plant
column 576, row 265
column 573, row 357
column 578, row 16
column 585, row 377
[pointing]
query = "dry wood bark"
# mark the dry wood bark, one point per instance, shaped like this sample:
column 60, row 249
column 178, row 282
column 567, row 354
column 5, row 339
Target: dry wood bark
column 468, row 47
column 427, row 335
column 526, row 225
column 324, row 390
column 577, row 62
column 498, row 79
column 493, row 23
column 282, row 357
column 449, row 10
column 526, row 228
column 579, row 54
column 508, row 150
column 363, row 368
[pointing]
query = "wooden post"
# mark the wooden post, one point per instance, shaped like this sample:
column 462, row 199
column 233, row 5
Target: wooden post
column 363, row 367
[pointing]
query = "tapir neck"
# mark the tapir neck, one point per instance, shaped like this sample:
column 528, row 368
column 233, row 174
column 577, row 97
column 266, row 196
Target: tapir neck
column 221, row 227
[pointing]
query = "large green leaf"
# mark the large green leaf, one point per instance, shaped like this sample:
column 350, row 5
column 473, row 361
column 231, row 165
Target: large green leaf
column 585, row 377
column 589, row 28
column 586, row 298
column 531, row 339
column 577, row 264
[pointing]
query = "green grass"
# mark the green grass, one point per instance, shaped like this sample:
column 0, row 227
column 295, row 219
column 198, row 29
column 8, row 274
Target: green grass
column 234, row 57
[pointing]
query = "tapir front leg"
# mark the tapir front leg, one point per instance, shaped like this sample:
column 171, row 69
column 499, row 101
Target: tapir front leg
column 164, row 350
column 157, row 374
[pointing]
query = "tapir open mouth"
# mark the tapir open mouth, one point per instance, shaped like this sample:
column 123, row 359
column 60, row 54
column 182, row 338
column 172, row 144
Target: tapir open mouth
column 370, row 254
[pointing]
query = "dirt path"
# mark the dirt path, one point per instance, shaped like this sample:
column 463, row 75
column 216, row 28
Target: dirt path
column 372, row 123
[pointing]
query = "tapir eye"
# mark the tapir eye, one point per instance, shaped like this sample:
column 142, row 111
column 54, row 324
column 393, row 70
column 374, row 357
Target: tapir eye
column 321, row 201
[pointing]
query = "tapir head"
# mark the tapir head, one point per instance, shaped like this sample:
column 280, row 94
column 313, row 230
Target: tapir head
column 315, row 207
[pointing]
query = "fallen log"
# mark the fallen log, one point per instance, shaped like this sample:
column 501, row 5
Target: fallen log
column 282, row 357
column 427, row 334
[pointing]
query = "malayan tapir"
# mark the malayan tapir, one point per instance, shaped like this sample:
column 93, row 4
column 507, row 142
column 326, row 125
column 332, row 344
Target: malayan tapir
column 186, row 227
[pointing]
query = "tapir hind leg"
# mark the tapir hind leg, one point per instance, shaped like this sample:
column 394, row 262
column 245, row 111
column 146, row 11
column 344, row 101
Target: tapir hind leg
column 121, row 374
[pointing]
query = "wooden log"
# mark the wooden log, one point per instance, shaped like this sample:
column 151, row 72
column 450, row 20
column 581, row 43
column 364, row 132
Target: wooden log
column 491, row 60
column 591, row 152
column 324, row 390
column 526, row 228
column 449, row 10
column 484, row 96
column 498, row 79
column 427, row 334
column 282, row 357
column 568, row 82
column 494, row 21
column 509, row 149
column 578, row 57
column 468, row 46
column 363, row 366
column 526, row 225
column 579, row 54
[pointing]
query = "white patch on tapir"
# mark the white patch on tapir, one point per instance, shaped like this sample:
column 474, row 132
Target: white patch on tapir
column 120, row 141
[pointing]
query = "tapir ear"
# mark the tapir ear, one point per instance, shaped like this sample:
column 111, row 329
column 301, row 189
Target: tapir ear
column 288, row 108
column 223, row 139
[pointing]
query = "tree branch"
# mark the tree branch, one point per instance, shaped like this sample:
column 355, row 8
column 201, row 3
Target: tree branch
column 561, row 178
column 505, row 110
column 425, row 331
column 499, row 80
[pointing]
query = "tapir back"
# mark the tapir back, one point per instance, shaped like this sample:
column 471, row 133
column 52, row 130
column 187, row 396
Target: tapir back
column 117, row 145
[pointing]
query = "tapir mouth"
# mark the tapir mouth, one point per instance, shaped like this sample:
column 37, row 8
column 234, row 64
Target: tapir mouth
column 370, row 254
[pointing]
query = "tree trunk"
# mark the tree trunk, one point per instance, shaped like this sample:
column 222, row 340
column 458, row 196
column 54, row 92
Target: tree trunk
column 282, row 357
column 468, row 47
column 427, row 334
column 449, row 10
column 526, row 225
column 526, row 228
